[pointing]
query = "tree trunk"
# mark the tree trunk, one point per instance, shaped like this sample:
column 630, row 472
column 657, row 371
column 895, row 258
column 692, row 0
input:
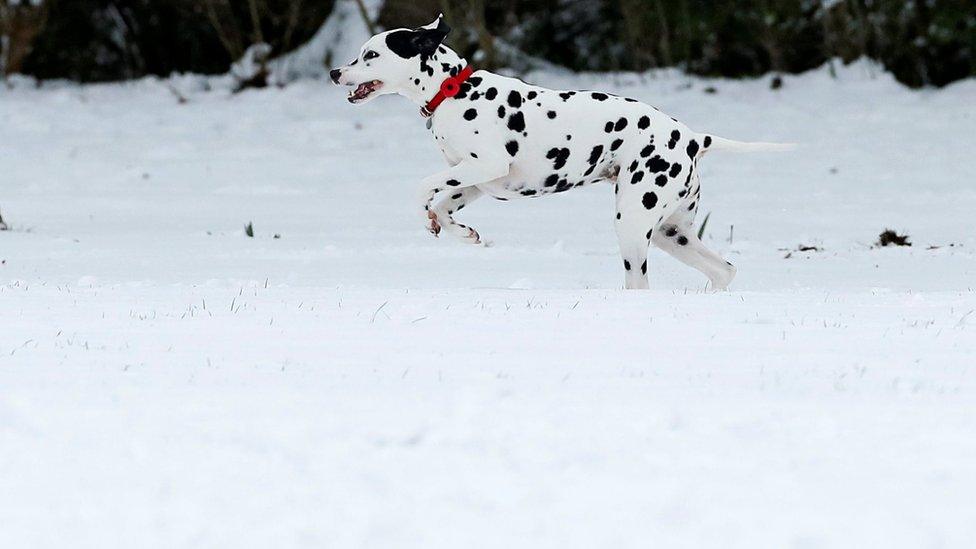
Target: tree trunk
column 19, row 25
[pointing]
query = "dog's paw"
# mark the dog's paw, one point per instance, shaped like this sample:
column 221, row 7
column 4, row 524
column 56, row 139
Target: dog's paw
column 433, row 224
column 721, row 283
column 473, row 237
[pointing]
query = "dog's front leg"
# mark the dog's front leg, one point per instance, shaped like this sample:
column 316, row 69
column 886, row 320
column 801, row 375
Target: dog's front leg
column 463, row 176
column 443, row 212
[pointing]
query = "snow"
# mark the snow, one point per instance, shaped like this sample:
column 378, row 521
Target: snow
column 166, row 381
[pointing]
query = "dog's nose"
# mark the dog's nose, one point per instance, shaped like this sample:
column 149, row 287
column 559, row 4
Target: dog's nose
column 334, row 74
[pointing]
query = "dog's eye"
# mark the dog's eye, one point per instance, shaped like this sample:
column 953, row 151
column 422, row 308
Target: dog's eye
column 371, row 55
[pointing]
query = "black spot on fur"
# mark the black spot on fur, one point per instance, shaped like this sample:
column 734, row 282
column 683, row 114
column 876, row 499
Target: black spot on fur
column 551, row 114
column 626, row 265
column 675, row 170
column 657, row 164
column 528, row 192
column 599, row 96
column 643, row 123
column 616, row 144
column 516, row 122
column 531, row 95
column 633, row 166
column 475, row 81
column 470, row 114
column 608, row 127
column 621, row 124
column 661, row 180
column 708, row 141
column 567, row 95
column 514, row 99
column 453, row 182
column 551, row 180
column 638, row 177
column 675, row 137
column 692, row 149
column 558, row 157
column 512, row 147
column 649, row 200
column 501, row 111
column 682, row 240
column 595, row 154
column 618, row 215
column 644, row 265
column 670, row 231
column 456, row 196
column 491, row 93
column 647, row 151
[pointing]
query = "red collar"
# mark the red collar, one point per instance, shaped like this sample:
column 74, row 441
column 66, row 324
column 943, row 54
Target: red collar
column 449, row 88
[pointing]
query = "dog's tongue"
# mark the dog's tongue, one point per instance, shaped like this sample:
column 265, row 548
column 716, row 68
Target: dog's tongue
column 362, row 91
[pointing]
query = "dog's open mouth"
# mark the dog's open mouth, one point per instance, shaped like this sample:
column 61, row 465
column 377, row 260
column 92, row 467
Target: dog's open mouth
column 364, row 90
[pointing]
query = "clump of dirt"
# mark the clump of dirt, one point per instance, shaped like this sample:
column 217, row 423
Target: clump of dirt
column 891, row 238
column 800, row 248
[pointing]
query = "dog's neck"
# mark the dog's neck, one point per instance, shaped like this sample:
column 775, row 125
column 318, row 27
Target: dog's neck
column 424, row 86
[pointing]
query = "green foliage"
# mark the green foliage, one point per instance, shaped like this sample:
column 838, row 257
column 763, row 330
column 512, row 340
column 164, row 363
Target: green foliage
column 701, row 230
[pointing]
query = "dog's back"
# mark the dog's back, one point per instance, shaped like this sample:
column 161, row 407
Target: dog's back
column 557, row 140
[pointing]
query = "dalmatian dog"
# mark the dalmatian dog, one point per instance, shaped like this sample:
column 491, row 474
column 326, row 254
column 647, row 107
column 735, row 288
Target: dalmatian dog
column 508, row 139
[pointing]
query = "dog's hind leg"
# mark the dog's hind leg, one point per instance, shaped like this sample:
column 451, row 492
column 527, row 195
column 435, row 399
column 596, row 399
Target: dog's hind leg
column 677, row 237
column 633, row 250
column 634, row 215
column 441, row 215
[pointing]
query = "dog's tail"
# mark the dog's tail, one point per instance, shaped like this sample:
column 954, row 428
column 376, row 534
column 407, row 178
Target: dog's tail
column 714, row 143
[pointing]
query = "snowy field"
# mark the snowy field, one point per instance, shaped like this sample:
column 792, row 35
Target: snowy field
column 343, row 379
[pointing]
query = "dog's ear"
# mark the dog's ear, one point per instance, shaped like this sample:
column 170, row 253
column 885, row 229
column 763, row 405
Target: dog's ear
column 422, row 41
column 427, row 38
column 438, row 24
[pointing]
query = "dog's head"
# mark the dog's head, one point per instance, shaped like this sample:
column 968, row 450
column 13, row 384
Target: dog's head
column 392, row 61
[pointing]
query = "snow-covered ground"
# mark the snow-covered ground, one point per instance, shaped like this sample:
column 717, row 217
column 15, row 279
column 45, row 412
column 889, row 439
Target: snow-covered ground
column 353, row 382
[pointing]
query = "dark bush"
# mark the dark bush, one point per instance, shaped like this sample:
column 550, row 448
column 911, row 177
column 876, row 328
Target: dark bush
column 921, row 43
column 96, row 40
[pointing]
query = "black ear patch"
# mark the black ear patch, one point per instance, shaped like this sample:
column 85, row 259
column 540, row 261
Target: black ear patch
column 422, row 42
